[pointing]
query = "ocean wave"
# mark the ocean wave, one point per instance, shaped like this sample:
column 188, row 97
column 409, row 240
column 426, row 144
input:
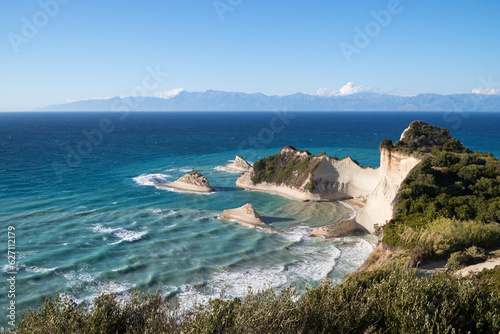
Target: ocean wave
column 22, row 255
column 354, row 252
column 315, row 265
column 298, row 234
column 353, row 213
column 34, row 269
column 151, row 179
column 121, row 233
column 237, row 283
column 163, row 212
column 222, row 169
column 7, row 268
column 181, row 170
column 187, row 296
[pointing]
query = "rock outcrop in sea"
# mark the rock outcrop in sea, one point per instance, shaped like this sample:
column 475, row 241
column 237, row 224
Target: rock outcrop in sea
column 193, row 182
column 239, row 165
column 246, row 215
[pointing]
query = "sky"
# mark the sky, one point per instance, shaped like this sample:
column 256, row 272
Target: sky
column 54, row 51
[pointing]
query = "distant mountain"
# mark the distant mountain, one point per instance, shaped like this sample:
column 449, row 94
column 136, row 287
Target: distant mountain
column 229, row 101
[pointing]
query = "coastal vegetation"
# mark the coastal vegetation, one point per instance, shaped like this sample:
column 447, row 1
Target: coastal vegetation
column 395, row 301
column 290, row 166
column 449, row 202
column 422, row 137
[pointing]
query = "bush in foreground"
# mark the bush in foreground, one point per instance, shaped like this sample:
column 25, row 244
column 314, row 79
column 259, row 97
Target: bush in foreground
column 372, row 302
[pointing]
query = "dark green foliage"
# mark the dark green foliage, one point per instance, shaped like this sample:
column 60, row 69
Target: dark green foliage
column 458, row 186
column 386, row 144
column 287, row 168
column 461, row 259
column 491, row 279
column 423, row 137
column 374, row 302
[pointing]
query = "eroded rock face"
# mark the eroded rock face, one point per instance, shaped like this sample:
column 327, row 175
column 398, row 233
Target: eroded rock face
column 394, row 168
column 300, row 175
column 239, row 165
column 193, row 182
column 194, row 178
column 246, row 215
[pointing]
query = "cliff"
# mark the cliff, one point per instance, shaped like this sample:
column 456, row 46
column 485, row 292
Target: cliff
column 394, row 167
column 418, row 141
column 299, row 175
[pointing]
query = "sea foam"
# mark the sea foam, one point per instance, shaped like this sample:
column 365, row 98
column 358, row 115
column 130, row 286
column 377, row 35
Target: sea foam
column 151, row 179
column 121, row 233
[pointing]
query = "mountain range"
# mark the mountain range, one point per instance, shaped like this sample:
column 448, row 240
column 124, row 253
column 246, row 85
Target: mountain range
column 212, row 100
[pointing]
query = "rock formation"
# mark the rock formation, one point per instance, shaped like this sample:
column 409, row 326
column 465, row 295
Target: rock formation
column 420, row 139
column 193, row 182
column 239, row 165
column 394, row 167
column 337, row 230
column 302, row 176
column 246, row 215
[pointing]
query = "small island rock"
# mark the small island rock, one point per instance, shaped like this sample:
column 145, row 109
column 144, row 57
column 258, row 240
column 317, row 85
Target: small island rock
column 194, row 182
column 246, row 215
column 239, row 165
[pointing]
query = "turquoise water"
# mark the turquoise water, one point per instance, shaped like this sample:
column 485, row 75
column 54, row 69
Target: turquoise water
column 88, row 220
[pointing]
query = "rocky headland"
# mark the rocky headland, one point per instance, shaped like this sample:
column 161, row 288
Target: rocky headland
column 299, row 175
column 246, row 215
column 191, row 182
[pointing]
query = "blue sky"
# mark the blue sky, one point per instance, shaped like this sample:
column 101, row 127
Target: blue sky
column 89, row 49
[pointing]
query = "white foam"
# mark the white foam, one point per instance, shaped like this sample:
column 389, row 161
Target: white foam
column 182, row 170
column 8, row 268
column 315, row 265
column 237, row 283
column 188, row 296
column 163, row 212
column 298, row 233
column 354, row 252
column 222, row 169
column 34, row 269
column 354, row 212
column 123, row 234
column 151, row 179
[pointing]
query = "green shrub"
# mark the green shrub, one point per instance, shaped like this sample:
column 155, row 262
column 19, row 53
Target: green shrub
column 463, row 187
column 386, row 144
column 393, row 301
column 461, row 259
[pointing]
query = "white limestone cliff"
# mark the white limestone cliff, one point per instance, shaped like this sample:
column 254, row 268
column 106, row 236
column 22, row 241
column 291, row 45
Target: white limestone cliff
column 394, row 168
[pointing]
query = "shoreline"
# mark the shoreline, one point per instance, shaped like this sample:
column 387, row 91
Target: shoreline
column 345, row 226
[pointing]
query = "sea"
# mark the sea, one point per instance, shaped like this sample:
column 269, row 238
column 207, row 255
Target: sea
column 78, row 198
